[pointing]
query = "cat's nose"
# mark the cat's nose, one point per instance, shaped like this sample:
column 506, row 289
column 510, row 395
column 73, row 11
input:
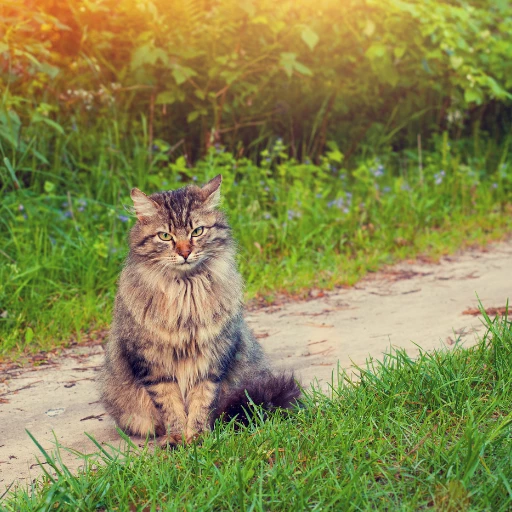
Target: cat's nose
column 183, row 250
column 185, row 253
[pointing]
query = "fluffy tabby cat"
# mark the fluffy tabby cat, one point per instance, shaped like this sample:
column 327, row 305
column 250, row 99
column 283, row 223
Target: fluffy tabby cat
column 179, row 353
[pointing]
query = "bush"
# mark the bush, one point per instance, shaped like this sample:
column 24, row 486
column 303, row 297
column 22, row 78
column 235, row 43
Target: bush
column 366, row 73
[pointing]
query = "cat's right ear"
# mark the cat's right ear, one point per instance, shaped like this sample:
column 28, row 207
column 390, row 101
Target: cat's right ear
column 145, row 207
column 211, row 192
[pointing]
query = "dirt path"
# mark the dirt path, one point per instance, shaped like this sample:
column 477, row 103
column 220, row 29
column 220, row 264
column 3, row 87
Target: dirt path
column 409, row 304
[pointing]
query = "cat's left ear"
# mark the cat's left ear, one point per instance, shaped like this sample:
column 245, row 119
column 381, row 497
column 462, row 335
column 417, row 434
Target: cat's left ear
column 145, row 207
column 211, row 192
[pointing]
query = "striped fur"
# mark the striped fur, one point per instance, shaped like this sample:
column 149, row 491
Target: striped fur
column 179, row 352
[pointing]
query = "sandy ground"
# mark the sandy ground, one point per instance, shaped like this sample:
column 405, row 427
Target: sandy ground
column 408, row 305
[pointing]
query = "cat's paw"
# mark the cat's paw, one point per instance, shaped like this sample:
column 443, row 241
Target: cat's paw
column 194, row 432
column 138, row 425
column 170, row 440
column 190, row 437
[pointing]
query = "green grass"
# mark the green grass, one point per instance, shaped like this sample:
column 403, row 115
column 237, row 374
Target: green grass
column 430, row 433
column 63, row 225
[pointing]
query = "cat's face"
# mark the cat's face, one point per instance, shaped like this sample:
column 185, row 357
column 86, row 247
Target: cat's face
column 180, row 229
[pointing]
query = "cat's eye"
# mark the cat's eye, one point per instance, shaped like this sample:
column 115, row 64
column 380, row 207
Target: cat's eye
column 164, row 236
column 198, row 231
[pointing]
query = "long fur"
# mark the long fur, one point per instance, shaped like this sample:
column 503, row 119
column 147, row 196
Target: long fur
column 179, row 352
column 278, row 391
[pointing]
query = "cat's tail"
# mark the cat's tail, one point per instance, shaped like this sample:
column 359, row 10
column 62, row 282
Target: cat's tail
column 271, row 392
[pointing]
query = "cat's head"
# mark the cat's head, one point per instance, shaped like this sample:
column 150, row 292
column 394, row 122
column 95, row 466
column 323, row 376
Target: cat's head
column 178, row 230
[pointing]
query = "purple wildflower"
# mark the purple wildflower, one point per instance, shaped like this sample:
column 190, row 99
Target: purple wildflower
column 378, row 171
column 438, row 177
column 339, row 203
column 123, row 218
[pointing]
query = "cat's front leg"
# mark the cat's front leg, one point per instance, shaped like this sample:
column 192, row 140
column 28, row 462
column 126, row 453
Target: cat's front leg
column 199, row 402
column 168, row 399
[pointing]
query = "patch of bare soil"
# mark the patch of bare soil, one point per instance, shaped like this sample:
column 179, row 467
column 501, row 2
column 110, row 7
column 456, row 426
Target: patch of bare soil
column 410, row 305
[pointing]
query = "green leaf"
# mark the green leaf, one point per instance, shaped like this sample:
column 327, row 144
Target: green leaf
column 179, row 76
column 399, row 51
column 148, row 54
column 182, row 73
column 336, row 156
column 192, row 116
column 473, row 95
column 310, row 37
column 287, row 61
column 49, row 187
column 38, row 118
column 29, row 335
column 51, row 71
column 496, row 89
column 200, row 94
column 304, row 70
column 7, row 163
column 382, row 65
column 456, row 61
column 165, row 98
column 376, row 51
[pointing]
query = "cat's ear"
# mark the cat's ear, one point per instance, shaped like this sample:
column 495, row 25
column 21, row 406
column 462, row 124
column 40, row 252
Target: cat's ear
column 145, row 207
column 211, row 192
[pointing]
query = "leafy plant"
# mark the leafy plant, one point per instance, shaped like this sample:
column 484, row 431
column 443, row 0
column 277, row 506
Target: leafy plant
column 243, row 74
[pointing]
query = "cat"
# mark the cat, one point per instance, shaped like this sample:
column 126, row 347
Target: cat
column 179, row 353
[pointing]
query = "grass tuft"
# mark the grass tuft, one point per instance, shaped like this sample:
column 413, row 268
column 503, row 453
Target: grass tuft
column 298, row 225
column 430, row 433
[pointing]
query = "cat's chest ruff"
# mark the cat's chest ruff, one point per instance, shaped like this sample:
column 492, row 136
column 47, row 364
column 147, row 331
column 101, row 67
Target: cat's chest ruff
column 188, row 304
column 180, row 311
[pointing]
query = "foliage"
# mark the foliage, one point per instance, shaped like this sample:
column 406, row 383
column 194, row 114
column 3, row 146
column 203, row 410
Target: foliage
column 361, row 72
column 431, row 433
column 297, row 225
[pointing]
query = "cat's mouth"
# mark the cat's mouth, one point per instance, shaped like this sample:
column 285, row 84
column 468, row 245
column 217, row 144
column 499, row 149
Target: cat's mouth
column 187, row 263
